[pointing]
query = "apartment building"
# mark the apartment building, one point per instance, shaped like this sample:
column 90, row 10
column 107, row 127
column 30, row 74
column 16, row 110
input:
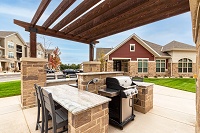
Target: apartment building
column 12, row 48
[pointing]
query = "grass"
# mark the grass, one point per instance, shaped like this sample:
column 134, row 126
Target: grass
column 186, row 84
column 11, row 88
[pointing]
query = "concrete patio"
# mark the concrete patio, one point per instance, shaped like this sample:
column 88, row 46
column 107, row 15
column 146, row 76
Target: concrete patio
column 173, row 112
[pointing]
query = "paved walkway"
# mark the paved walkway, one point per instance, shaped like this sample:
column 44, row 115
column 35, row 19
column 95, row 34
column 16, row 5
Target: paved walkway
column 173, row 112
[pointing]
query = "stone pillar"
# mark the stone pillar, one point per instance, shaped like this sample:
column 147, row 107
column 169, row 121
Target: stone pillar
column 195, row 14
column 32, row 71
column 0, row 67
column 91, row 66
column 94, row 120
column 133, row 68
column 109, row 66
column 151, row 68
column 175, row 70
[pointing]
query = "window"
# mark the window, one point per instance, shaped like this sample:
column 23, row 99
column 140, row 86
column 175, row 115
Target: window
column 10, row 55
column 10, row 44
column 1, row 53
column 185, row 65
column 160, row 65
column 132, row 47
column 142, row 65
column 12, row 65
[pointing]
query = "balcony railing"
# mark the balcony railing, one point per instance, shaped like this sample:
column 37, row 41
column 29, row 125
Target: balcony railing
column 19, row 50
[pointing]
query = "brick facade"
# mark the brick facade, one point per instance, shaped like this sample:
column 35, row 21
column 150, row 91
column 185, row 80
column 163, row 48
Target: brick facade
column 94, row 120
column 133, row 68
column 33, row 71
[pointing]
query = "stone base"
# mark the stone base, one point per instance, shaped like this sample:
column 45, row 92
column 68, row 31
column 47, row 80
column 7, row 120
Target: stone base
column 144, row 100
column 94, row 120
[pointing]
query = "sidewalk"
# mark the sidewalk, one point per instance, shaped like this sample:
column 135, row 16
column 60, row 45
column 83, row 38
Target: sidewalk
column 173, row 112
column 10, row 73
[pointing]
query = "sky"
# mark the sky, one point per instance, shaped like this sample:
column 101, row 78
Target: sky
column 177, row 28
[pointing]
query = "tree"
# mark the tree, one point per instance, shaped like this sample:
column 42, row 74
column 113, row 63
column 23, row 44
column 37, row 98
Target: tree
column 55, row 59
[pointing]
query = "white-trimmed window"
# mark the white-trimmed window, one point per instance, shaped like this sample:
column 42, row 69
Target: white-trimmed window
column 1, row 53
column 10, row 44
column 12, row 65
column 132, row 47
column 160, row 65
column 185, row 65
column 143, row 65
column 10, row 55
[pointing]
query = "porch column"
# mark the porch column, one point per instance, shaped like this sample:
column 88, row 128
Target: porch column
column 91, row 58
column 17, row 66
column 33, row 46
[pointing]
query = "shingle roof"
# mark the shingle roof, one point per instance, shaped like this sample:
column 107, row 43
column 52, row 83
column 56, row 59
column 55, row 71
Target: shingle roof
column 175, row 45
column 104, row 50
column 4, row 34
column 157, row 48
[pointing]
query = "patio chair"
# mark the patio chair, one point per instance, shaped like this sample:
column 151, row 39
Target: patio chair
column 59, row 117
column 39, row 105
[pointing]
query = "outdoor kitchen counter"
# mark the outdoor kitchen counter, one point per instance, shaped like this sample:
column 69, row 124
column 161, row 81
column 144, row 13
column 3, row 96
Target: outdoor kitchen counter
column 144, row 84
column 75, row 100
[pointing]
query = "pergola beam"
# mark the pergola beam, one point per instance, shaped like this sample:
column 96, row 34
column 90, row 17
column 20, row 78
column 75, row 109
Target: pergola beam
column 100, row 9
column 133, row 12
column 116, row 11
column 42, row 7
column 63, row 6
column 50, row 32
column 162, row 12
column 80, row 9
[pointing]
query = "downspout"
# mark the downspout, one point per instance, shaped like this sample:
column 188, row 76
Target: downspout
column 171, row 68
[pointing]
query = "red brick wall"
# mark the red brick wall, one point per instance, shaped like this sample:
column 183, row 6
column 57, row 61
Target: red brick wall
column 124, row 52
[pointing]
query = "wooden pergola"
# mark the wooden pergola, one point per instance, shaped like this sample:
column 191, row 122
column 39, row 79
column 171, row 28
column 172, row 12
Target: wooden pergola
column 107, row 17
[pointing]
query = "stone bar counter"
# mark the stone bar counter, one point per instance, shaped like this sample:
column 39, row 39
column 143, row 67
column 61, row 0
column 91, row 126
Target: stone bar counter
column 87, row 112
column 144, row 100
column 84, row 78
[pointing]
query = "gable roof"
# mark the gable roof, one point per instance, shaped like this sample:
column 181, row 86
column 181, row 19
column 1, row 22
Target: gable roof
column 157, row 48
column 140, row 41
column 104, row 50
column 4, row 34
column 175, row 45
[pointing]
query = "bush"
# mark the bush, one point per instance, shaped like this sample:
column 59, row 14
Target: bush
column 155, row 76
column 145, row 76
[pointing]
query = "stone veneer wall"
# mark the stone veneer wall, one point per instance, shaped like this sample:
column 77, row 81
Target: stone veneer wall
column 91, row 66
column 175, row 72
column 109, row 66
column 151, row 69
column 133, row 68
column 32, row 71
column 84, row 78
column 94, row 120
column 144, row 100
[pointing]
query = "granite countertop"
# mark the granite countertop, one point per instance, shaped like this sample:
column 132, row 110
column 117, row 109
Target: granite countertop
column 75, row 100
column 60, row 80
column 99, row 73
column 143, row 83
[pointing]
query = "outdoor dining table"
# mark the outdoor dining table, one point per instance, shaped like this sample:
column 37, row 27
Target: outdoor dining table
column 83, row 107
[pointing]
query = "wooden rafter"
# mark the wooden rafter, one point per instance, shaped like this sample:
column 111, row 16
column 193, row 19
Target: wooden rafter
column 116, row 11
column 63, row 6
column 100, row 9
column 160, row 13
column 80, row 9
column 133, row 12
column 42, row 7
column 50, row 32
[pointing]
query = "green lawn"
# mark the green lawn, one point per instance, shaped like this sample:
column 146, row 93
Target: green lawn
column 11, row 88
column 186, row 84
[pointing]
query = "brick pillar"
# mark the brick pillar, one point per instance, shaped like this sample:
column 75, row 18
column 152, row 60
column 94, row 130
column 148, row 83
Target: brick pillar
column 133, row 68
column 91, row 66
column 32, row 71
column 110, row 66
column 151, row 68
column 195, row 9
column 94, row 120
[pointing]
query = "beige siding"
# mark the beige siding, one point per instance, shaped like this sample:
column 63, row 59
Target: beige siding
column 177, row 55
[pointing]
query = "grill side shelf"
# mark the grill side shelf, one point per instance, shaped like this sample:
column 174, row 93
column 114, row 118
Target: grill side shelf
column 109, row 92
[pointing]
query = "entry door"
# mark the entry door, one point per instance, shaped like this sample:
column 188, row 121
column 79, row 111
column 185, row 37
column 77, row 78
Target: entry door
column 117, row 65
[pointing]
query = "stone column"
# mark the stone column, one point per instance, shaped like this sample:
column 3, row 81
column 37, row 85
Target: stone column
column 195, row 14
column 32, row 71
column 133, row 68
column 151, row 68
column 0, row 67
column 91, row 66
column 110, row 66
column 94, row 120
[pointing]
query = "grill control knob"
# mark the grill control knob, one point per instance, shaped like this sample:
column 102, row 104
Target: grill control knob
column 127, row 94
column 132, row 92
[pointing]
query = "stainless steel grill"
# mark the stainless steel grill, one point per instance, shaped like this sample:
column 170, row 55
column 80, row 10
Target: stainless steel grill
column 121, row 90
